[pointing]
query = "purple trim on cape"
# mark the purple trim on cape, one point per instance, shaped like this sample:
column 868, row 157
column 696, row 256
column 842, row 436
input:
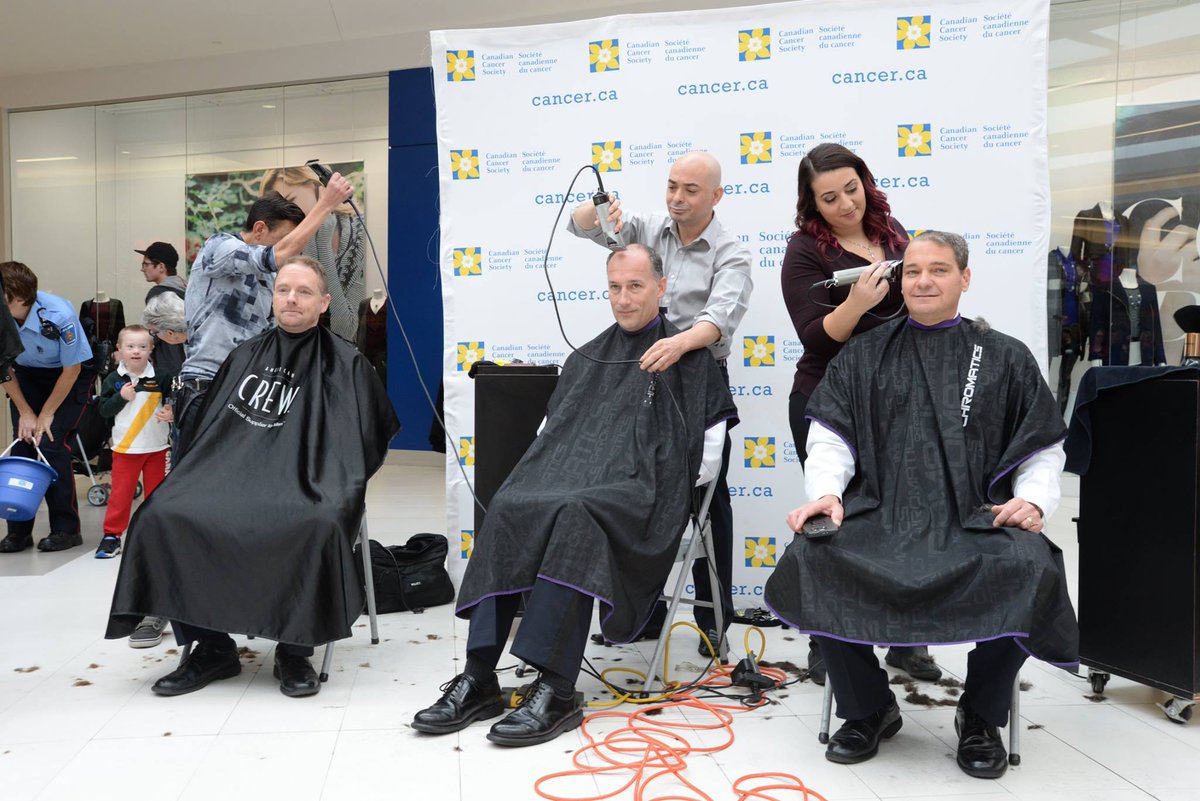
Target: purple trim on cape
column 1020, row 462
column 725, row 419
column 1017, row 637
column 842, row 437
column 581, row 591
column 650, row 325
column 936, row 326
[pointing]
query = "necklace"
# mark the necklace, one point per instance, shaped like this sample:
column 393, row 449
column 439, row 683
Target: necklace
column 864, row 245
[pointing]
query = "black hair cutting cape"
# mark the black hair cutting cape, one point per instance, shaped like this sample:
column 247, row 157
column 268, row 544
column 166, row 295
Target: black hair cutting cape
column 252, row 532
column 600, row 500
column 917, row 559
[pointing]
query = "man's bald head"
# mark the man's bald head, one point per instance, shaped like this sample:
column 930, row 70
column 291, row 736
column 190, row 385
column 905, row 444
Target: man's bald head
column 693, row 189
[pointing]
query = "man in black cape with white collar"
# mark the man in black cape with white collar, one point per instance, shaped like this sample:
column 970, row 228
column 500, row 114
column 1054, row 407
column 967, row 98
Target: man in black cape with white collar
column 936, row 446
column 252, row 533
column 594, row 511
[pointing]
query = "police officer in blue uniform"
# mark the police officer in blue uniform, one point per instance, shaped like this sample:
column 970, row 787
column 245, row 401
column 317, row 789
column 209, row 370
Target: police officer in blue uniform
column 48, row 397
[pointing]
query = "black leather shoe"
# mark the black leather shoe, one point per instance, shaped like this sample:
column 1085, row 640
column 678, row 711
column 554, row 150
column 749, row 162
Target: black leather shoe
column 15, row 542
column 60, row 541
column 296, row 675
column 203, row 666
column 980, row 750
column 914, row 660
column 463, row 702
column 540, row 718
column 858, row 740
column 816, row 663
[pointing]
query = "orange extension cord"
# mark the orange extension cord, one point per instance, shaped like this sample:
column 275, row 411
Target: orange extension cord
column 647, row 750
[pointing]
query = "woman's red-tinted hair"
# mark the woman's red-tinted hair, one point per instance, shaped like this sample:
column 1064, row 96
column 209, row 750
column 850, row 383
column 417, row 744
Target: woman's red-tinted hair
column 829, row 156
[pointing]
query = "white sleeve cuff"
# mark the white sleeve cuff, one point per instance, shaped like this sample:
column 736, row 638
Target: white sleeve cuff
column 830, row 463
column 1037, row 479
column 714, row 444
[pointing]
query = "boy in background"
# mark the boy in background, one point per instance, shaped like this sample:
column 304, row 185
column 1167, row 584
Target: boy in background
column 132, row 396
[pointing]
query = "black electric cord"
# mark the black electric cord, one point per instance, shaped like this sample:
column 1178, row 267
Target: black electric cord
column 868, row 313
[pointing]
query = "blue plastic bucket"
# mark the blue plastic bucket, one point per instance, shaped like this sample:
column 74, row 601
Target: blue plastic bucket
column 23, row 484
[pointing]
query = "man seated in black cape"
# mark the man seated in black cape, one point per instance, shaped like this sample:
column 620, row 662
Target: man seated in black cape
column 252, row 532
column 594, row 511
column 936, row 446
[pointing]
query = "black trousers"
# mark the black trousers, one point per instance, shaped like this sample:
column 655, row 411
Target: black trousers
column 553, row 632
column 797, row 404
column 720, row 513
column 188, row 401
column 861, row 686
column 185, row 634
column 37, row 383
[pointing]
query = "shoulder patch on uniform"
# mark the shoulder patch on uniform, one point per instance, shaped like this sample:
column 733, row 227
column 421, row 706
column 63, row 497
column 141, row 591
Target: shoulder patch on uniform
column 67, row 332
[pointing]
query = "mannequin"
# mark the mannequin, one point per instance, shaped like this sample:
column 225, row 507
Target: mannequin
column 372, row 331
column 102, row 319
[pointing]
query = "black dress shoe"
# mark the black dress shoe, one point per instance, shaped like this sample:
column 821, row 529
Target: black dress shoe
column 296, row 675
column 60, row 541
column 15, row 542
column 541, row 717
column 980, row 750
column 858, row 740
column 205, row 664
column 816, row 663
column 464, row 700
column 914, row 660
column 702, row 646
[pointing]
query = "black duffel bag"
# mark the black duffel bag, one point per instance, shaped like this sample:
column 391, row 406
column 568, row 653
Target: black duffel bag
column 409, row 577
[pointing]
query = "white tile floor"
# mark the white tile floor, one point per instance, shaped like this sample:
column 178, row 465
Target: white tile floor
column 78, row 720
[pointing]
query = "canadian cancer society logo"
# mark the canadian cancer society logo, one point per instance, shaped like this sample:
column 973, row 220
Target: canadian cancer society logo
column 754, row 44
column 466, row 451
column 913, row 233
column 464, row 165
column 604, row 55
column 460, row 65
column 758, row 351
column 759, row 451
column 468, row 543
column 606, row 156
column 469, row 353
column 914, row 139
column 760, row 552
column 756, row 147
column 912, row 33
column 468, row 261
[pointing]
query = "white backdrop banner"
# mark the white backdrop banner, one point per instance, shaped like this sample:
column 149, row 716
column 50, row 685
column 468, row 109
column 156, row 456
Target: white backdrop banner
column 946, row 102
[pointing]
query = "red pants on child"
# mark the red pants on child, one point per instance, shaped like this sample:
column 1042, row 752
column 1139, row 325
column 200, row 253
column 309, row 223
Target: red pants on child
column 125, row 470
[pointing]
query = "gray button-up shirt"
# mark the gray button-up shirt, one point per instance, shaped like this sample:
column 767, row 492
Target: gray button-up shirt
column 708, row 280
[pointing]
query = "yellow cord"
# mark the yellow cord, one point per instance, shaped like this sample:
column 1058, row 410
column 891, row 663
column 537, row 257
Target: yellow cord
column 669, row 686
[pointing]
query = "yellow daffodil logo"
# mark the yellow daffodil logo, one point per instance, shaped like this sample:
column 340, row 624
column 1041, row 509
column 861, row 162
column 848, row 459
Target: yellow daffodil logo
column 469, row 353
column 606, row 156
column 914, row 140
column 758, row 351
column 468, row 543
column 604, row 55
column 760, row 552
column 912, row 33
column 913, row 233
column 468, row 261
column 460, row 65
column 756, row 147
column 759, row 451
column 754, row 44
column 464, row 164
column 466, row 451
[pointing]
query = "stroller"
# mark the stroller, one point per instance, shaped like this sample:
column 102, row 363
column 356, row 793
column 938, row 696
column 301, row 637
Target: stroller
column 92, row 437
